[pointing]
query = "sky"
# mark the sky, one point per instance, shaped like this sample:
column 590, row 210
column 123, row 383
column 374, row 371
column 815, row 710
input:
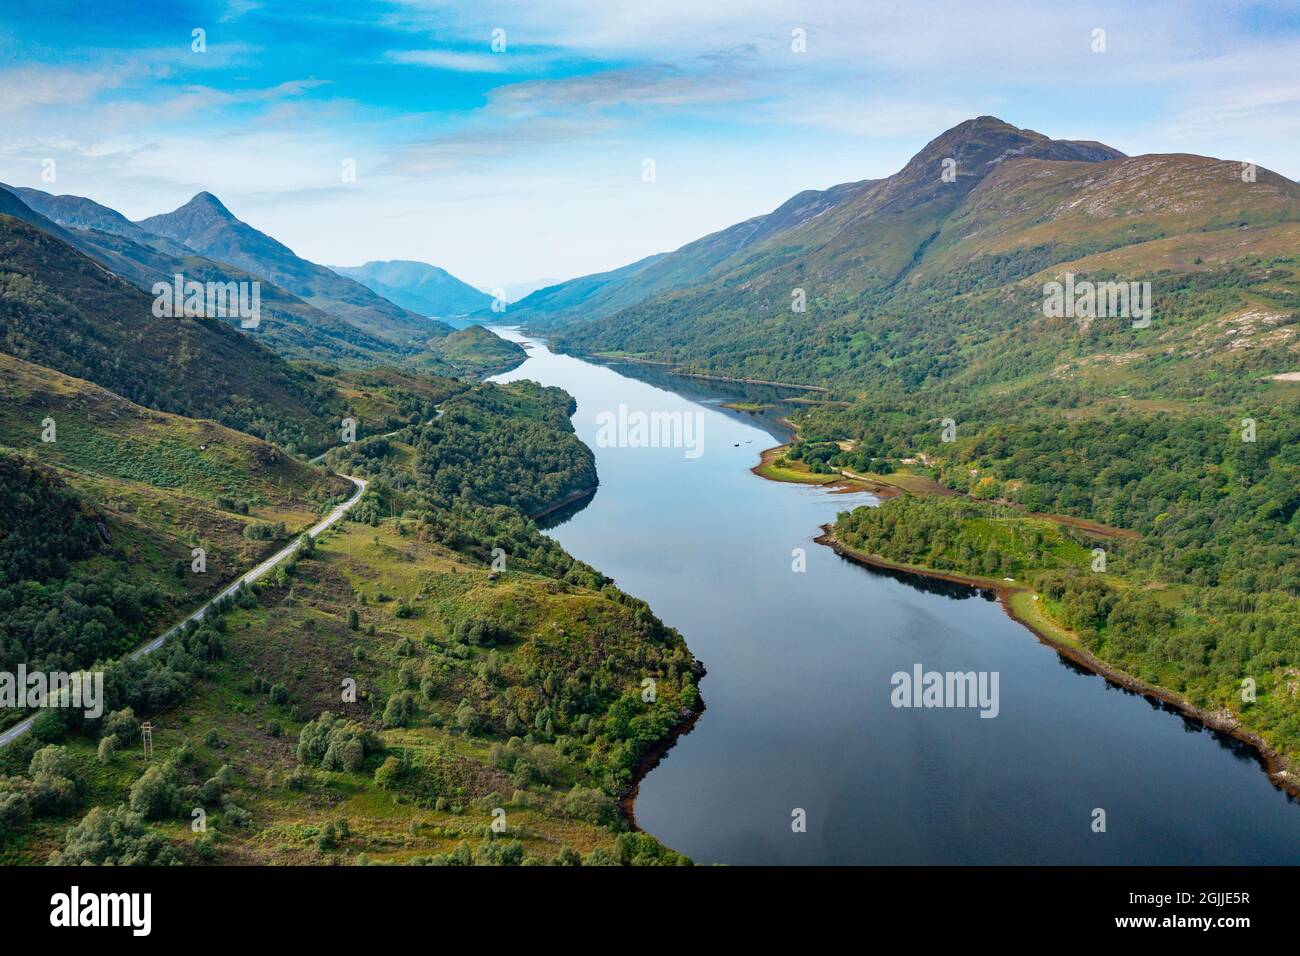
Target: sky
column 511, row 141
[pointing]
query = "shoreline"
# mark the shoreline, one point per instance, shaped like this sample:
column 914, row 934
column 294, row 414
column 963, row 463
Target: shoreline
column 657, row 751
column 676, row 369
column 569, row 499
column 1221, row 722
column 837, row 484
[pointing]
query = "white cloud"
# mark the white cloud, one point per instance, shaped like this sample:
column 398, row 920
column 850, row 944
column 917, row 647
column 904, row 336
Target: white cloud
column 458, row 61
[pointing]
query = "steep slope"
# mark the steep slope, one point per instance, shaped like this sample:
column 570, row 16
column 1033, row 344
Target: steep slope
column 1077, row 209
column 858, row 234
column 60, row 309
column 592, row 297
column 105, row 517
column 78, row 212
column 12, row 205
column 919, row 278
column 208, row 227
column 419, row 287
column 288, row 325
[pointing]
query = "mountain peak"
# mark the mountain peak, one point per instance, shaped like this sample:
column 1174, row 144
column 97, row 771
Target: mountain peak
column 418, row 286
column 206, row 202
column 956, row 161
column 202, row 213
column 985, row 122
column 988, row 140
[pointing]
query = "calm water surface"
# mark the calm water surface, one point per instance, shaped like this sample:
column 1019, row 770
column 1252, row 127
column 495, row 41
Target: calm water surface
column 798, row 690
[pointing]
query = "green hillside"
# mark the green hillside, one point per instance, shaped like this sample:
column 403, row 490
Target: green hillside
column 475, row 352
column 288, row 325
column 62, row 310
column 497, row 679
column 140, row 490
column 926, row 320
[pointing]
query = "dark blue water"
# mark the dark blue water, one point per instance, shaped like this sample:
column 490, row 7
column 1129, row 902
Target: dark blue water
column 798, row 691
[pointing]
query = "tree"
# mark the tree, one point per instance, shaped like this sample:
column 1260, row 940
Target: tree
column 154, row 795
column 114, row 837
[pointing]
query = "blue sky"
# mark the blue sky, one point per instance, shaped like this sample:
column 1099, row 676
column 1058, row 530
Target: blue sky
column 509, row 166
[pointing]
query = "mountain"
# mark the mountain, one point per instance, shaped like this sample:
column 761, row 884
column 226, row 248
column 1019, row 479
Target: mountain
column 289, row 325
column 514, row 291
column 206, row 226
column 61, row 309
column 867, row 231
column 12, row 205
column 78, row 212
column 1130, row 461
column 914, row 277
column 587, row 295
column 419, row 287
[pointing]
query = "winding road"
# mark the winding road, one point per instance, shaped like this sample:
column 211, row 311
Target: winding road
column 17, row 730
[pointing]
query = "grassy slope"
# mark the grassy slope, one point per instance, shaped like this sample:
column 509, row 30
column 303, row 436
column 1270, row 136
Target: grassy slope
column 64, row 311
column 564, row 679
column 161, row 484
column 299, row 636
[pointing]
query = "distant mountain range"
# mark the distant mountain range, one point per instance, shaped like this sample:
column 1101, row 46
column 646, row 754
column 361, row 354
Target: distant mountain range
column 308, row 310
column 514, row 291
column 419, row 287
column 208, row 227
column 291, row 326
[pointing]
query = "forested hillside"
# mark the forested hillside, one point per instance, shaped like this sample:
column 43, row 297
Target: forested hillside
column 105, row 517
column 505, row 694
column 491, row 444
column 923, row 313
column 62, row 310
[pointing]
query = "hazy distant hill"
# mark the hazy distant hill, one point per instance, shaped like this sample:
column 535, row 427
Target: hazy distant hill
column 208, row 227
column 419, row 287
column 587, row 296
